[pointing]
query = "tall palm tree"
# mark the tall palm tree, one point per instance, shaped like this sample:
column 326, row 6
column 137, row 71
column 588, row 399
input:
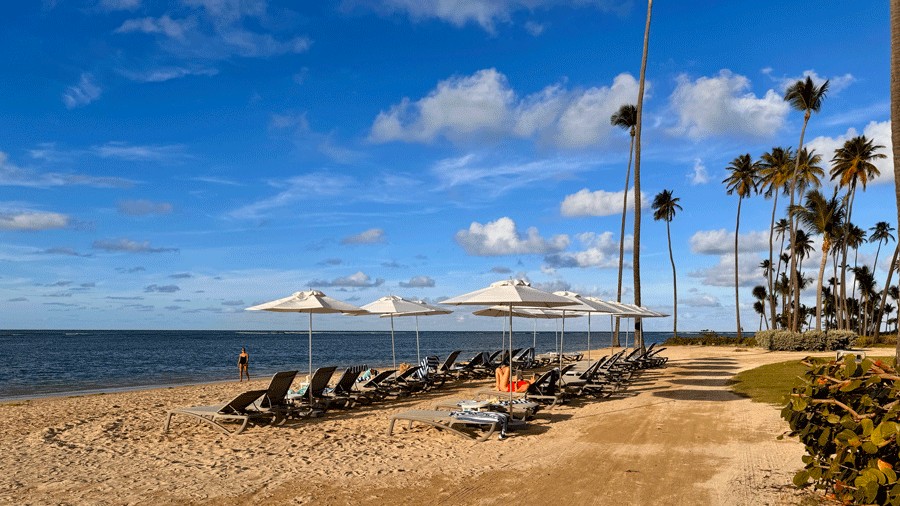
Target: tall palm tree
column 852, row 165
column 867, row 284
column 808, row 174
column 821, row 216
column 802, row 248
column 774, row 171
column 664, row 206
column 636, row 250
column 881, row 233
column 895, row 120
column 625, row 117
column 887, row 285
column 854, row 237
column 803, row 96
column 743, row 181
column 759, row 293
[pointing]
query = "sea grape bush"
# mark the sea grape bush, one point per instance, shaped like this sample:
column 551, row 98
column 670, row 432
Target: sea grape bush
column 709, row 340
column 811, row 340
column 846, row 415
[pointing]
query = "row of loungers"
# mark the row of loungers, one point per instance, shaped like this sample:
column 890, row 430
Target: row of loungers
column 276, row 404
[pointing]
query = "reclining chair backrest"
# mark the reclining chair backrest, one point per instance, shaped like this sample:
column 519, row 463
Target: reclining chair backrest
column 278, row 389
column 319, row 381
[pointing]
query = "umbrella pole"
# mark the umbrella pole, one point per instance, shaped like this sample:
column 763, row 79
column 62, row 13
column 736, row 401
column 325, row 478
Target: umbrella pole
column 418, row 356
column 534, row 340
column 562, row 335
column 589, row 339
column 309, row 382
column 510, row 388
column 393, row 349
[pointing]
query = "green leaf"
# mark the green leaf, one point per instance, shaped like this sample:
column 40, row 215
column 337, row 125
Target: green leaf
column 853, row 385
column 869, row 448
column 867, row 426
column 801, row 478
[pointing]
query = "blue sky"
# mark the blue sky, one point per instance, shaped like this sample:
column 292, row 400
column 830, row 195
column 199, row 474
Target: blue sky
column 166, row 164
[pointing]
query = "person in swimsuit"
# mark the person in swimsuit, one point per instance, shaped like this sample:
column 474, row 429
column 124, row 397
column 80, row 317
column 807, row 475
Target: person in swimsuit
column 244, row 365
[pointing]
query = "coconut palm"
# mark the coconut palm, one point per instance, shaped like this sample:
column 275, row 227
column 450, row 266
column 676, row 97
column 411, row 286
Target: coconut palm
column 866, row 280
column 821, row 216
column 741, row 180
column 760, row 294
column 852, row 165
column 626, row 118
column 803, row 96
column 880, row 233
column 887, row 285
column 664, row 206
column 636, row 250
column 774, row 171
column 895, row 119
column 808, row 175
column 854, row 237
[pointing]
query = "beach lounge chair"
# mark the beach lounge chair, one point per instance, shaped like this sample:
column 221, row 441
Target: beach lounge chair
column 343, row 394
column 478, row 366
column 275, row 400
column 314, row 397
column 235, row 410
column 522, row 409
column 376, row 388
column 455, row 421
column 445, row 370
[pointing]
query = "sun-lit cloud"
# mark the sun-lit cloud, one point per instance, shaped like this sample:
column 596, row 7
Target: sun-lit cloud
column 494, row 178
column 700, row 300
column 371, row 236
column 600, row 250
column 418, row 282
column 85, row 91
column 880, row 134
column 836, row 84
column 129, row 246
column 721, row 242
column 32, row 221
column 698, row 174
column 12, row 175
column 357, row 280
column 723, row 105
column 139, row 153
column 484, row 107
column 598, row 203
column 162, row 74
column 501, row 237
column 722, row 274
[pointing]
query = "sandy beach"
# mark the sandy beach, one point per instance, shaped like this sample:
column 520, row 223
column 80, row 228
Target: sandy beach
column 682, row 438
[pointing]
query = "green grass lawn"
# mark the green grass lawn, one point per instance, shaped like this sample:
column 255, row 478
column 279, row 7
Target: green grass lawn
column 771, row 383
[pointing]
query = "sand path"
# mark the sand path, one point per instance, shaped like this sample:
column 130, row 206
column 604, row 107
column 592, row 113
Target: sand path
column 681, row 438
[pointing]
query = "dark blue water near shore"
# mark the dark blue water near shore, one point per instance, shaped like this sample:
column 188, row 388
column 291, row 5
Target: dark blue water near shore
column 44, row 362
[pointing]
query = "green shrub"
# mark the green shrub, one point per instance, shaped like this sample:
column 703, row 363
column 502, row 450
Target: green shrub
column 867, row 341
column 811, row 340
column 710, row 339
column 846, row 415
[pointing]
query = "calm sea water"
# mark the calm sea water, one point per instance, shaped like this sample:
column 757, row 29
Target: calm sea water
column 45, row 362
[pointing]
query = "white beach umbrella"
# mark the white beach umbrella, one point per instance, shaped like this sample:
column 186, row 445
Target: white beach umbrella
column 428, row 310
column 310, row 301
column 523, row 312
column 581, row 304
column 509, row 293
column 390, row 306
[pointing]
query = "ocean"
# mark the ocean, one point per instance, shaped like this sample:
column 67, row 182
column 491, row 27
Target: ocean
column 66, row 362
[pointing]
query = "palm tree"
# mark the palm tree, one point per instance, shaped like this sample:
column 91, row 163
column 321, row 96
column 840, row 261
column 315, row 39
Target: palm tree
column 743, row 181
column 881, row 233
column 636, row 250
column 821, row 216
column 760, row 294
column 887, row 285
column 895, row 122
column 852, row 164
column 807, row 97
column 774, row 171
column 664, row 206
column 625, row 117
column 802, row 248
column 808, row 174
column 867, row 285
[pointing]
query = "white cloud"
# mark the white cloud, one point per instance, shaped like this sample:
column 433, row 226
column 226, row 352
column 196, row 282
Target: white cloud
column 161, row 74
column 483, row 106
column 601, row 250
column 32, row 220
column 138, row 153
column 484, row 13
column 598, row 203
column 724, row 105
column 418, row 282
column 164, row 25
column 720, row 242
column 496, row 178
column 357, row 280
column 120, row 5
column 699, row 174
column 835, row 83
column 143, row 207
column 371, row 236
column 295, row 189
column 533, row 28
column 83, row 93
column 701, row 300
column 879, row 132
column 722, row 274
column 129, row 246
column 12, row 175
column 501, row 237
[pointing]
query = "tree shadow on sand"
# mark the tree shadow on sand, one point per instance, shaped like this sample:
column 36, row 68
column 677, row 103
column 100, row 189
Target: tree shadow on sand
column 698, row 395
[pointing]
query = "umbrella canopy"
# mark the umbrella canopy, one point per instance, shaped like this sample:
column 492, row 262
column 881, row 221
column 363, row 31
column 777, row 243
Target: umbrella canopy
column 310, row 301
column 524, row 312
column 510, row 293
column 432, row 311
column 583, row 305
column 390, row 306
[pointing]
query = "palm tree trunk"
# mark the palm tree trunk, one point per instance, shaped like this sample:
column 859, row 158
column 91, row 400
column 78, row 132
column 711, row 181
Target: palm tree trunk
column 887, row 283
column 877, row 252
column 771, row 236
column 819, row 307
column 674, row 284
column 895, row 124
column 795, row 283
column 850, row 196
column 737, row 302
column 859, row 307
column 638, row 331
column 615, row 339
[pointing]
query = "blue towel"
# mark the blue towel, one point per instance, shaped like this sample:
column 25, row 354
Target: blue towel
column 483, row 417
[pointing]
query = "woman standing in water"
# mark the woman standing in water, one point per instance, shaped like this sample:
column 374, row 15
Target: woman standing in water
column 244, row 364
